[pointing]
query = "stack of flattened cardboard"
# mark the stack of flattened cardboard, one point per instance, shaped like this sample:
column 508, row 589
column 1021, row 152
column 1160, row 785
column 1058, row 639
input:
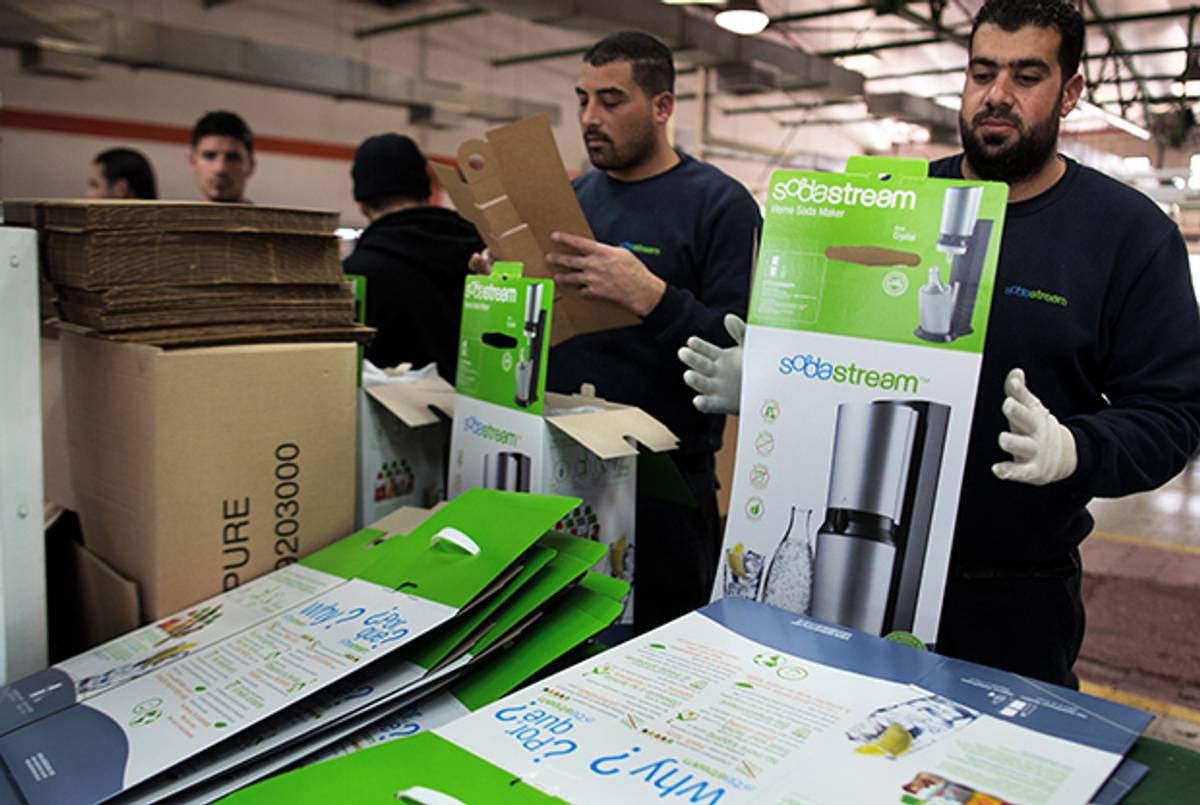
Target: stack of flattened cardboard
column 175, row 274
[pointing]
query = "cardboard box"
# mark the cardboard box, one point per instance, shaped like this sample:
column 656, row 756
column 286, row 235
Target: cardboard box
column 510, row 434
column 402, row 445
column 196, row 470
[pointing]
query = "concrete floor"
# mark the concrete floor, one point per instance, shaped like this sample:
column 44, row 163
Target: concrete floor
column 1142, row 592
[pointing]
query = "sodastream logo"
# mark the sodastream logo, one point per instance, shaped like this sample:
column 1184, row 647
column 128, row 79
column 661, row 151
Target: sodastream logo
column 812, row 367
column 483, row 292
column 476, row 427
column 807, row 191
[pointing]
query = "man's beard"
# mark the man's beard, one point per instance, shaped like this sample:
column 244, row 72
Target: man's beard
column 631, row 154
column 1033, row 147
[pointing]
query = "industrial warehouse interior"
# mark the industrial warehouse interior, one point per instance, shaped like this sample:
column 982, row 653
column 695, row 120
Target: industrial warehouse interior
column 461, row 401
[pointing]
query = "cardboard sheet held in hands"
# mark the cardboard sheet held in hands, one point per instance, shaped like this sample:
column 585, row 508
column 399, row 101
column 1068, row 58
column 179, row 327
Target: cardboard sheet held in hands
column 516, row 198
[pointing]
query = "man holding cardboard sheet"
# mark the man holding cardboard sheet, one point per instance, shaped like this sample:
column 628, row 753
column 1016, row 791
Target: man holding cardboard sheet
column 1094, row 312
column 674, row 239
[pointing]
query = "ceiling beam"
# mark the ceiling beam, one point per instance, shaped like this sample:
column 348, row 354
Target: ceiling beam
column 845, row 121
column 933, row 25
column 1158, row 51
column 909, row 43
column 1143, row 17
column 1191, row 96
column 1122, row 54
column 789, row 107
column 803, row 16
column 933, row 71
column 917, row 73
column 1118, row 79
column 545, row 55
column 417, row 22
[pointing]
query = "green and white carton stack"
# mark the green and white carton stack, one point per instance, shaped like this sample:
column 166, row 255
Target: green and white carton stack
column 577, row 614
column 288, row 655
column 510, row 434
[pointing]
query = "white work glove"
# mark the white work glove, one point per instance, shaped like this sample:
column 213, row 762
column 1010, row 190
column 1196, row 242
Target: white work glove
column 1044, row 450
column 714, row 371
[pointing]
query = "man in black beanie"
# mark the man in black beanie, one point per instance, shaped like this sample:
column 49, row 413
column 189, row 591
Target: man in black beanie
column 413, row 255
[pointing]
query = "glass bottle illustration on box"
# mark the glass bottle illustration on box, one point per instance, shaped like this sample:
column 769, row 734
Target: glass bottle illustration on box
column 789, row 578
column 786, row 581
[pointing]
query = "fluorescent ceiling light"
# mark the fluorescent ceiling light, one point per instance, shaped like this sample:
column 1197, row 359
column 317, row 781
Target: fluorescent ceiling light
column 1090, row 109
column 742, row 17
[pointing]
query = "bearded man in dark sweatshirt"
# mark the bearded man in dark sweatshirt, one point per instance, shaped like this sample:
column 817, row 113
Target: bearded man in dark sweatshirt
column 1093, row 310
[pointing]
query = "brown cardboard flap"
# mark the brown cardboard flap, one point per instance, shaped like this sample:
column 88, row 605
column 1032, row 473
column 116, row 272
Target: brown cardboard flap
column 452, row 182
column 522, row 179
column 404, row 519
column 411, row 402
column 56, row 458
column 604, row 433
column 168, row 216
column 215, row 335
column 111, row 604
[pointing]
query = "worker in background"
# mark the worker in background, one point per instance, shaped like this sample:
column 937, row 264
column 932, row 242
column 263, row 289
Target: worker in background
column 1096, row 396
column 674, row 239
column 222, row 156
column 413, row 255
column 121, row 173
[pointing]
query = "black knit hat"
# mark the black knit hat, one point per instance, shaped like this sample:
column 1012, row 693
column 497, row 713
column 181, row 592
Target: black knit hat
column 389, row 165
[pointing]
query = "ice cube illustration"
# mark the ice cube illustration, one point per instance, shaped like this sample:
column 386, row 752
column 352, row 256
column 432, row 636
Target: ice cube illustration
column 925, row 720
column 742, row 572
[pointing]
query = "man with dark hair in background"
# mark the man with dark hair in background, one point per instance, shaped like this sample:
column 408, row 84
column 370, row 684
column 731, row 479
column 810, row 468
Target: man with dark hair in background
column 413, row 255
column 1111, row 343
column 222, row 156
column 674, row 240
column 121, row 173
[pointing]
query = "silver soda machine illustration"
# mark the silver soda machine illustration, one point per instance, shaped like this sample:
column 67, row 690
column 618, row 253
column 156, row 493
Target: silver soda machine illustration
column 946, row 308
column 870, row 550
column 507, row 470
column 530, row 356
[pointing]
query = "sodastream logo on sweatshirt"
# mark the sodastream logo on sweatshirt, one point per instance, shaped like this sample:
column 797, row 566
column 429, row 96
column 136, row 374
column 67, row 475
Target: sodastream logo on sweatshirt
column 812, row 367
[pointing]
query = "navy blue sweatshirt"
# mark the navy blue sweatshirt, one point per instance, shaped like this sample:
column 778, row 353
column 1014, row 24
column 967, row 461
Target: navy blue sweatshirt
column 1111, row 346
column 696, row 228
